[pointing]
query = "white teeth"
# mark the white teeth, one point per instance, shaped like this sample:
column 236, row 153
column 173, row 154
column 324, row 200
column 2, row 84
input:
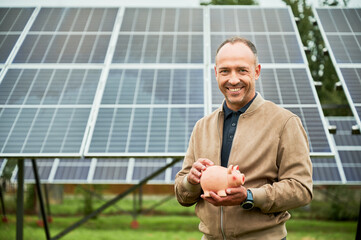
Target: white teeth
column 234, row 90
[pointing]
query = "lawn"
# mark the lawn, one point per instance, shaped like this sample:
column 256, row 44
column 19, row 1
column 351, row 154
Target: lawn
column 168, row 221
column 164, row 228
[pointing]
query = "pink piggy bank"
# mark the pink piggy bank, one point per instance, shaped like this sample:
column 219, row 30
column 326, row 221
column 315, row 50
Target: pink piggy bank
column 217, row 179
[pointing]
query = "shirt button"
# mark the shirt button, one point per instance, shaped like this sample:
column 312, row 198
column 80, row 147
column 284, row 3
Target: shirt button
column 231, row 136
column 233, row 124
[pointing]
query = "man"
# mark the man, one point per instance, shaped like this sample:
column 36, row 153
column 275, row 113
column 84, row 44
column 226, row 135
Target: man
column 267, row 142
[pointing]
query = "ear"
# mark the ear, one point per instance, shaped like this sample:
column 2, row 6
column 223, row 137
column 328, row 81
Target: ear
column 229, row 170
column 257, row 71
column 215, row 70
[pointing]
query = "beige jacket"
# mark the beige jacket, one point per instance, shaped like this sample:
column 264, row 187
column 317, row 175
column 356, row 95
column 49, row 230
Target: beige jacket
column 271, row 148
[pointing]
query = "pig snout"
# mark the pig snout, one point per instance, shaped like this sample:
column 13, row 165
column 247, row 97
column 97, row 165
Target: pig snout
column 236, row 179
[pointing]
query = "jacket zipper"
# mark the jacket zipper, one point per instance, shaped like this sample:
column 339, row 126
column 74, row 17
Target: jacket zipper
column 220, row 140
column 222, row 230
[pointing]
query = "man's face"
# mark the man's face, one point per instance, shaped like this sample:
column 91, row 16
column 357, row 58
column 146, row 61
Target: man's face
column 236, row 73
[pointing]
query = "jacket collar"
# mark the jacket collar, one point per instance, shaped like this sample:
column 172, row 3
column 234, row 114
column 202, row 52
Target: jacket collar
column 257, row 102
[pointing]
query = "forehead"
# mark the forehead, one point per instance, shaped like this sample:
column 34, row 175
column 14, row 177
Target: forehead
column 235, row 51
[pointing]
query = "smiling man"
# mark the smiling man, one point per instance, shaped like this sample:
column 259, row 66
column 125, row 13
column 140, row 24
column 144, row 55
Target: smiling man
column 237, row 70
column 267, row 142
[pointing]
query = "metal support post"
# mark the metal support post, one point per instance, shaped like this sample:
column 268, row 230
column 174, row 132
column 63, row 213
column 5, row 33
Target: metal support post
column 116, row 199
column 4, row 218
column 46, row 192
column 41, row 202
column 20, row 201
column 358, row 232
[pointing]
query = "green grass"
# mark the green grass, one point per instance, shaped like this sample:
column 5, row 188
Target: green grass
column 164, row 227
column 169, row 221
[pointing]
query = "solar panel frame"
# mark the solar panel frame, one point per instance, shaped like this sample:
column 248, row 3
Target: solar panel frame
column 346, row 27
column 3, row 162
column 194, row 56
column 294, row 59
column 348, row 154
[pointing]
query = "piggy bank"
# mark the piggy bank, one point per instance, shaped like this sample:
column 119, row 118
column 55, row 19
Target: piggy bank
column 217, row 179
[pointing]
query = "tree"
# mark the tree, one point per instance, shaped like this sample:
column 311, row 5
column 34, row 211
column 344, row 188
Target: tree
column 230, row 2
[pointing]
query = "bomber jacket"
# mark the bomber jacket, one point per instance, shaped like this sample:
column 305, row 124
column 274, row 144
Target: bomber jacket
column 270, row 147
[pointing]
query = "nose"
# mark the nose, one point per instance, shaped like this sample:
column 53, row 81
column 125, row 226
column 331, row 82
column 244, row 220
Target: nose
column 234, row 80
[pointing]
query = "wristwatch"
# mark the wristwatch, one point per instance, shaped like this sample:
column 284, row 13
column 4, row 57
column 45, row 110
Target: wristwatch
column 248, row 202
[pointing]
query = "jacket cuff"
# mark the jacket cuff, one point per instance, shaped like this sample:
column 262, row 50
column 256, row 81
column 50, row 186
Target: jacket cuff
column 259, row 196
column 190, row 187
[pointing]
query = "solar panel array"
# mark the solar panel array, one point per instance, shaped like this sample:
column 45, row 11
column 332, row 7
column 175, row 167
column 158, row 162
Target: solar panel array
column 285, row 77
column 132, row 82
column 99, row 171
column 341, row 30
column 347, row 164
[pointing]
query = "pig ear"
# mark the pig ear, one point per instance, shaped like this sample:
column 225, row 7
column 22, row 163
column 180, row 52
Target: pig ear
column 236, row 168
column 230, row 168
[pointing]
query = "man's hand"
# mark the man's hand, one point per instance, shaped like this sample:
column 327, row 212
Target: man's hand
column 235, row 196
column 196, row 171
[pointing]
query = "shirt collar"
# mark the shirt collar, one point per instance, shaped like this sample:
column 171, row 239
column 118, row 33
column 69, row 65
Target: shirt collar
column 228, row 112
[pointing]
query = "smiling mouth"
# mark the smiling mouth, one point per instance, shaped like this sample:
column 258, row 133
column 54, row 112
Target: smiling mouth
column 234, row 89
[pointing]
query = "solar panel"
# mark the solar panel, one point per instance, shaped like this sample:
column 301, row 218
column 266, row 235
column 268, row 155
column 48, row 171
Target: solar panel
column 12, row 23
column 340, row 28
column 42, row 131
column 95, row 171
column 348, row 148
column 70, row 170
column 285, row 78
column 325, row 171
column 49, row 87
column 44, row 170
column 131, row 82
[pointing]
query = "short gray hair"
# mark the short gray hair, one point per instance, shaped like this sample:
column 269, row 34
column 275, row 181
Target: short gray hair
column 237, row 39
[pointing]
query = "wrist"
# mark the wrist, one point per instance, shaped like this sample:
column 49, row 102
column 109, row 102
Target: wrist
column 248, row 203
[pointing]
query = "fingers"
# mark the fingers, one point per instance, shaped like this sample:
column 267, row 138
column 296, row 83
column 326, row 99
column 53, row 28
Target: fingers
column 235, row 196
column 196, row 171
column 241, row 191
column 194, row 176
column 204, row 161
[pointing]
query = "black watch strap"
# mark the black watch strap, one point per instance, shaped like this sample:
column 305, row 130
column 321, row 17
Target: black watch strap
column 248, row 202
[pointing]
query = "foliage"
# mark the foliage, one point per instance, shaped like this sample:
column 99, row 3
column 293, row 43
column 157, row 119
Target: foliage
column 230, row 2
column 88, row 192
column 339, row 204
column 30, row 199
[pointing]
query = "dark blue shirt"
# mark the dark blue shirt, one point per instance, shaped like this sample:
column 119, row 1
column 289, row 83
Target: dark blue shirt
column 229, row 129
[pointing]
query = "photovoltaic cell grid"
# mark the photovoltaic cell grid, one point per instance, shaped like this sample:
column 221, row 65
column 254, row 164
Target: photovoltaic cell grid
column 95, row 171
column 152, row 110
column 45, row 110
column 348, row 147
column 153, row 86
column 12, row 23
column 68, row 35
column 284, row 74
column 81, row 35
column 341, row 30
column 155, row 35
column 272, row 32
column 161, row 119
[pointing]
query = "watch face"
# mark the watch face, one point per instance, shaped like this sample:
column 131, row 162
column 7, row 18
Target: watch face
column 247, row 205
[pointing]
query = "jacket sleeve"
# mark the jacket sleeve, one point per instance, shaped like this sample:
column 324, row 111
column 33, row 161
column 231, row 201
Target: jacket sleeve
column 187, row 194
column 294, row 186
